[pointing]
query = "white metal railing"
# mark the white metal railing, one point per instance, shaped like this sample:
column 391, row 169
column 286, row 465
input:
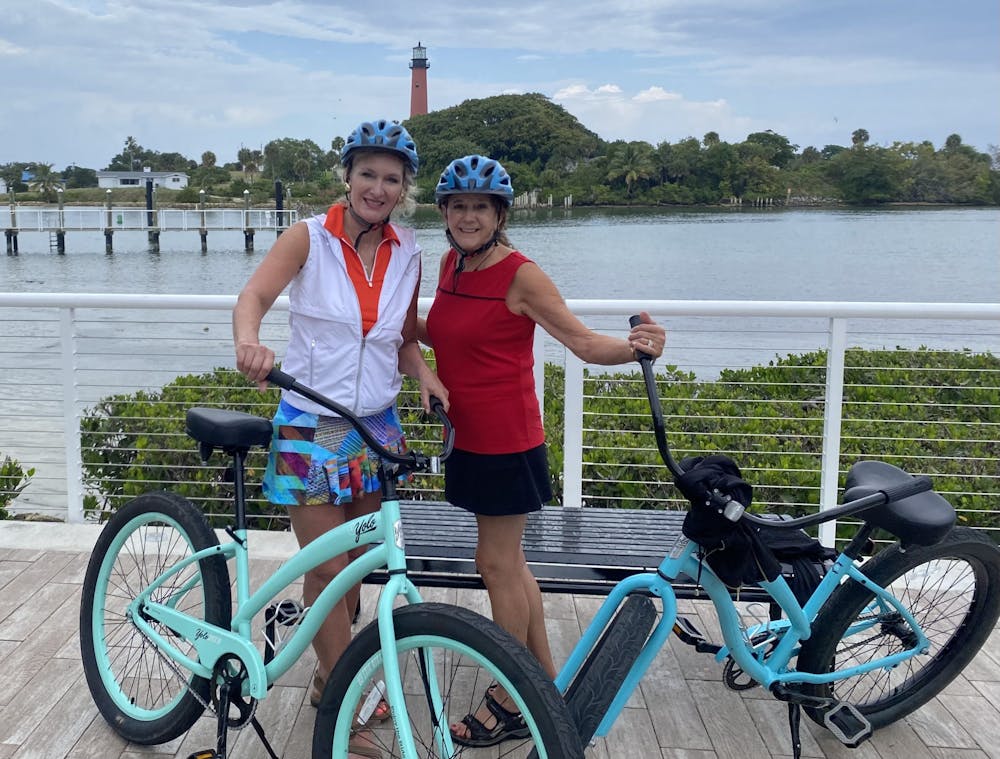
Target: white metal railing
column 64, row 352
column 132, row 219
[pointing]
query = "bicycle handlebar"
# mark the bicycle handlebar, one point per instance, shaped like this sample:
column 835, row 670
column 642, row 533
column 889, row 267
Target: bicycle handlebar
column 889, row 495
column 659, row 429
column 411, row 460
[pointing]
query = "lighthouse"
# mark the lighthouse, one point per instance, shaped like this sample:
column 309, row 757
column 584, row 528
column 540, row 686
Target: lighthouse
column 418, row 81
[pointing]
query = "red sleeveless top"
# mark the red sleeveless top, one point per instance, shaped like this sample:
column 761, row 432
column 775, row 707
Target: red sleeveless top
column 485, row 358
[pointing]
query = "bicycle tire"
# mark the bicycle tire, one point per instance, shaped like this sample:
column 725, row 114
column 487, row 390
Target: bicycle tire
column 142, row 698
column 953, row 591
column 470, row 652
column 603, row 672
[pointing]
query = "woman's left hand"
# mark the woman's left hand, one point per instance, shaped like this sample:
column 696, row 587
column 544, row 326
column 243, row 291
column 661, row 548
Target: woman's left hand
column 431, row 385
column 647, row 337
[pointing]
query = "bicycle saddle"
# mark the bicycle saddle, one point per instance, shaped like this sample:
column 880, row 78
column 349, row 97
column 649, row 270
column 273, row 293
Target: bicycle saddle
column 924, row 518
column 221, row 428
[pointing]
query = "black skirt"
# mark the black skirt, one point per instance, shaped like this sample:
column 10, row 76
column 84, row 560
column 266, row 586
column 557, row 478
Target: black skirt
column 498, row 484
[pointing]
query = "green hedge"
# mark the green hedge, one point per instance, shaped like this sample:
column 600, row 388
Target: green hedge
column 13, row 479
column 935, row 413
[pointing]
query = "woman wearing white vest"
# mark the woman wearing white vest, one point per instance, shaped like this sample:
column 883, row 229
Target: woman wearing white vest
column 354, row 279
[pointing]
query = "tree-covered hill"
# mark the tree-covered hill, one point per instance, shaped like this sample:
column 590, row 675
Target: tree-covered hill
column 526, row 133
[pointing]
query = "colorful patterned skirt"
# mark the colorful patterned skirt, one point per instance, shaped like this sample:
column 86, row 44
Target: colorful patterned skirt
column 322, row 459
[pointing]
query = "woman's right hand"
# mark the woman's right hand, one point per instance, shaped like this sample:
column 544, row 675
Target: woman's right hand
column 255, row 361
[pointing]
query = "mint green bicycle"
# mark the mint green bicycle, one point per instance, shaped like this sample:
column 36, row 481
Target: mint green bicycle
column 162, row 641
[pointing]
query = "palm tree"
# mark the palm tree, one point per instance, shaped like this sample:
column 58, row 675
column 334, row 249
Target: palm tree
column 631, row 161
column 249, row 162
column 44, row 181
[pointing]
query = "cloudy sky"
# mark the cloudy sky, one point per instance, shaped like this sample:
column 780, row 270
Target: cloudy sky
column 79, row 76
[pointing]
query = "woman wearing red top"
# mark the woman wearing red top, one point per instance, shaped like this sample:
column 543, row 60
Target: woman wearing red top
column 481, row 327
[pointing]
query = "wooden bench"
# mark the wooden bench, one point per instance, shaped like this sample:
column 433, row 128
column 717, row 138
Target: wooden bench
column 570, row 550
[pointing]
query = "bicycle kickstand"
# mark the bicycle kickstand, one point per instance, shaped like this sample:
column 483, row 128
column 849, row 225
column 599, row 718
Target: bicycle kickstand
column 794, row 721
column 222, row 729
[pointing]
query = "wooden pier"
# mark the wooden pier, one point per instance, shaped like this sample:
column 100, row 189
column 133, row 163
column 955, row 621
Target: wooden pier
column 57, row 221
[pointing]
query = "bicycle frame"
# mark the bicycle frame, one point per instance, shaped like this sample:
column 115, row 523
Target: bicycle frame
column 381, row 529
column 766, row 660
column 765, row 665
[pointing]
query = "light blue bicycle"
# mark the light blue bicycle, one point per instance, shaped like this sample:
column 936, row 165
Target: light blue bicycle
column 875, row 640
column 164, row 637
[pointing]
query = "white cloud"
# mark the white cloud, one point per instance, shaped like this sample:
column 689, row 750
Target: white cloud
column 9, row 48
column 653, row 115
column 654, row 94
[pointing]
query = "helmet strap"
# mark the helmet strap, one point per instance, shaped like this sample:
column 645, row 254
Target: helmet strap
column 366, row 225
column 463, row 254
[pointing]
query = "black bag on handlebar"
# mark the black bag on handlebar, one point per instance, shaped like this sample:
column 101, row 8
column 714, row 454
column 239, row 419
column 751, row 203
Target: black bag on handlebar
column 733, row 550
column 804, row 560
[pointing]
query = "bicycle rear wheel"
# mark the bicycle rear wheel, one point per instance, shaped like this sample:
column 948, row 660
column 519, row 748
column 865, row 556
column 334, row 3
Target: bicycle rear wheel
column 142, row 696
column 469, row 654
column 953, row 591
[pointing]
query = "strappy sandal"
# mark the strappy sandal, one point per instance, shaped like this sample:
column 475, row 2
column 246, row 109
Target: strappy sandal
column 509, row 725
column 381, row 713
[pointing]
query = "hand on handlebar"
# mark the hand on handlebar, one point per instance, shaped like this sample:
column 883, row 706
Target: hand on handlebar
column 255, row 361
column 431, row 388
column 647, row 338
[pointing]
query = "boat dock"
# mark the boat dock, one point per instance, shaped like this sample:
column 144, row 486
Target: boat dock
column 59, row 221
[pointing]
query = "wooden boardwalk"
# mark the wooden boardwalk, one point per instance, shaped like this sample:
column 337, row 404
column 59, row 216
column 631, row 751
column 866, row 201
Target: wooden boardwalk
column 683, row 711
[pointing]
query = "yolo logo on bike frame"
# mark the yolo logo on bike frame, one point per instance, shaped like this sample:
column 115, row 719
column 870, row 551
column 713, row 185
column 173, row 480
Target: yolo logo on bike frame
column 368, row 525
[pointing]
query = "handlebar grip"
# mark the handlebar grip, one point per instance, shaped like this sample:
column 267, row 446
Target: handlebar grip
column 437, row 408
column 279, row 378
column 642, row 356
column 906, row 489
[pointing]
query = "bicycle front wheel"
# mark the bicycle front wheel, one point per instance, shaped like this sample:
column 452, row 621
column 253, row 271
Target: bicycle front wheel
column 142, row 694
column 952, row 589
column 448, row 659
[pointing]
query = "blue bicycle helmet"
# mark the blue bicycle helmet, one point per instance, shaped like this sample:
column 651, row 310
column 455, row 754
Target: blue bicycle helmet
column 382, row 135
column 475, row 174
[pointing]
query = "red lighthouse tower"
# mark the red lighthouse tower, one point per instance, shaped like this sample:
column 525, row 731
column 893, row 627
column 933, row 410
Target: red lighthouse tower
column 418, row 81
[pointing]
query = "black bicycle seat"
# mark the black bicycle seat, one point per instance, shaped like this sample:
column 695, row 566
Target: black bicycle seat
column 221, row 428
column 924, row 518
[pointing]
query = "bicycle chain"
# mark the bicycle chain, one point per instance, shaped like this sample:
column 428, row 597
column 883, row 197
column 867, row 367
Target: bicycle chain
column 175, row 668
column 866, row 641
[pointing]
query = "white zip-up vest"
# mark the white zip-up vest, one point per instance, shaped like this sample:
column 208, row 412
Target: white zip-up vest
column 326, row 349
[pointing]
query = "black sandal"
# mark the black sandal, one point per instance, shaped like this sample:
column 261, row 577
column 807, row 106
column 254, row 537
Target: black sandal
column 509, row 725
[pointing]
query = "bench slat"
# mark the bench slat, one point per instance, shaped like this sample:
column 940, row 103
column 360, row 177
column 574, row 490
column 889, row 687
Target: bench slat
column 570, row 550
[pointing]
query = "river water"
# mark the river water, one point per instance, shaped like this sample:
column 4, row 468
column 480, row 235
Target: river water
column 905, row 254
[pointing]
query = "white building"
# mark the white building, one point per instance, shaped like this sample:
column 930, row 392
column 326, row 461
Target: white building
column 170, row 180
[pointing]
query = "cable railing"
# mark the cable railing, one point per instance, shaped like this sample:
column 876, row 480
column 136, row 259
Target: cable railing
column 795, row 392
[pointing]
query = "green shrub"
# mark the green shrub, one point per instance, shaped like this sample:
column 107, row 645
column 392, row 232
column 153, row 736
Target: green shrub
column 934, row 413
column 13, row 479
column 136, row 442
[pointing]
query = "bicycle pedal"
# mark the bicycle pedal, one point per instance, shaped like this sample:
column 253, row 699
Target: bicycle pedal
column 686, row 632
column 848, row 725
column 285, row 613
column 208, row 753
